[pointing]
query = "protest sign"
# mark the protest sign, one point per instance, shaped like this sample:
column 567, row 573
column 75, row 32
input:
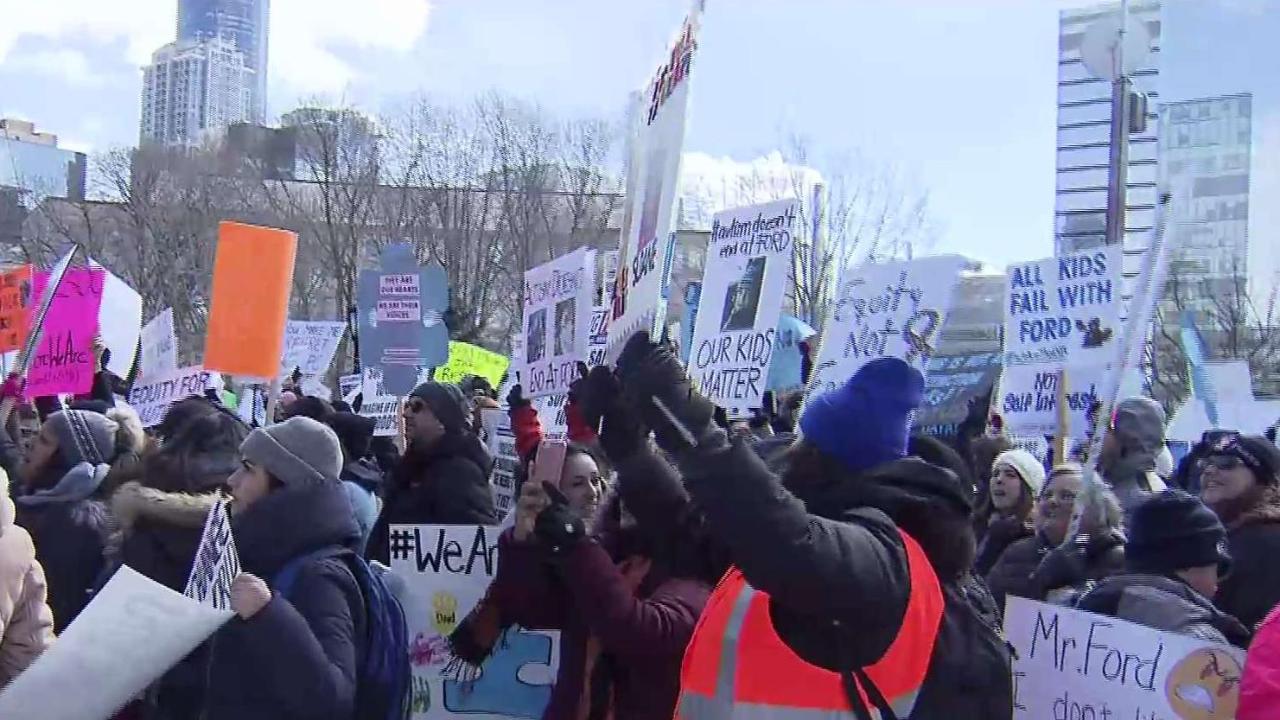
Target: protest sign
column 119, row 321
column 1073, row 665
column 951, row 384
column 502, row 446
column 159, row 345
column 154, row 396
column 401, row 323
column 467, row 359
column 131, row 633
column 656, row 137
column 315, row 387
column 599, row 336
column 1059, row 312
column 894, row 309
column 216, row 563
column 349, row 385
column 253, row 406
column 556, row 322
column 785, row 369
column 378, row 404
column 15, row 294
column 309, row 346
column 747, row 269
column 63, row 361
column 252, row 279
column 446, row 569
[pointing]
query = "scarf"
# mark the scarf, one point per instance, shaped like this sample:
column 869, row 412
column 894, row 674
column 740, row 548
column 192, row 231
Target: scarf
column 79, row 483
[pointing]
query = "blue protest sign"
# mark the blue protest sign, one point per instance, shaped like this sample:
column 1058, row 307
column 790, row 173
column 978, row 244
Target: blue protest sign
column 784, row 371
column 401, row 317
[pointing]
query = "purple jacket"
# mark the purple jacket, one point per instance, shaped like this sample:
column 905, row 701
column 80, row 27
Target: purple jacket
column 642, row 634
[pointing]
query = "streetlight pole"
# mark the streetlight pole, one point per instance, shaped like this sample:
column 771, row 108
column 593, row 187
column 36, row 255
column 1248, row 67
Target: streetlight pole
column 1119, row 148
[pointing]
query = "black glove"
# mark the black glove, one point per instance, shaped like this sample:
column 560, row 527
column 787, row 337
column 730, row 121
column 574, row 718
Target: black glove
column 557, row 527
column 655, row 383
column 605, row 408
column 516, row 398
column 1064, row 565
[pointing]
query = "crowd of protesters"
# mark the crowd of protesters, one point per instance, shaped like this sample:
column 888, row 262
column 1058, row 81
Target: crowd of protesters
column 826, row 560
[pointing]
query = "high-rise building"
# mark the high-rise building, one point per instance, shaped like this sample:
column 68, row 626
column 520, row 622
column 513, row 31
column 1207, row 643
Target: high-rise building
column 192, row 87
column 1205, row 148
column 333, row 143
column 243, row 23
column 1084, row 137
column 33, row 167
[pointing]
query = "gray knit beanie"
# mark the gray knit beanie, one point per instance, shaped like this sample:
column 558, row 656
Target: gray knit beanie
column 85, row 436
column 298, row 451
column 447, row 403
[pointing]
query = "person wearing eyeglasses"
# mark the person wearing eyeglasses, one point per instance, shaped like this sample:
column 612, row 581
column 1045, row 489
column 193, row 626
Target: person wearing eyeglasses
column 1240, row 480
column 443, row 478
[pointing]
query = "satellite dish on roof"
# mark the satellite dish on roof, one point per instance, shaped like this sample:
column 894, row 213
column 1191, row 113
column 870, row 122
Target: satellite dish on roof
column 1102, row 39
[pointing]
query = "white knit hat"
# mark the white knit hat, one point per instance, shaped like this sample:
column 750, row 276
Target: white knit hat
column 1027, row 467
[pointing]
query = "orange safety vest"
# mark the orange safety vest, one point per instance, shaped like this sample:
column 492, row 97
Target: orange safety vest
column 737, row 668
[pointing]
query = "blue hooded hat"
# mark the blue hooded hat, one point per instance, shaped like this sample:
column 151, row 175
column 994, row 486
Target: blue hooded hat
column 866, row 422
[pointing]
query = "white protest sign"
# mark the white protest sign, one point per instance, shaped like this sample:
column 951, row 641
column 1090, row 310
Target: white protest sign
column 133, row 631
column 557, row 322
column 894, row 309
column 1059, row 312
column 747, row 271
column 216, row 563
column 310, row 346
column 446, row 570
column 119, row 321
column 349, row 385
column 159, row 346
column 599, row 336
column 1073, row 665
column 502, row 446
column 253, row 405
column 315, row 387
column 380, row 406
column 152, row 398
column 656, row 137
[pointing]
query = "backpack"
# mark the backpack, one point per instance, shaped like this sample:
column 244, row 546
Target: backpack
column 382, row 680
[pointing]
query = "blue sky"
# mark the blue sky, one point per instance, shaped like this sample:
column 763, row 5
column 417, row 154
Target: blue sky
column 957, row 95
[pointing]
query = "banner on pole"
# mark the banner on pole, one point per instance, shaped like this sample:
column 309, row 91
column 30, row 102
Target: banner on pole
column 893, row 309
column 159, row 346
column 152, row 398
column 1073, row 664
column 447, row 569
column 310, row 346
column 63, row 361
column 747, row 271
column 656, row 139
column 557, row 322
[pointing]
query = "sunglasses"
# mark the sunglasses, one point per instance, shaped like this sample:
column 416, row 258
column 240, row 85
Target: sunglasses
column 415, row 406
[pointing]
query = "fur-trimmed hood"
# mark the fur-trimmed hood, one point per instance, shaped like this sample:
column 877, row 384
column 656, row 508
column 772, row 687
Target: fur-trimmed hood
column 1264, row 513
column 133, row 501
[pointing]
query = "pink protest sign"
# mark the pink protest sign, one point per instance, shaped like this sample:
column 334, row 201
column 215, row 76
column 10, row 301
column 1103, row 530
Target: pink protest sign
column 63, row 361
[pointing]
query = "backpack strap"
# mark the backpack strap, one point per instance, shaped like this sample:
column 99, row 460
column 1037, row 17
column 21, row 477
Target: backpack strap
column 287, row 575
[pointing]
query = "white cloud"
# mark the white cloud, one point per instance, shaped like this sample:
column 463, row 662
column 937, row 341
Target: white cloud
column 303, row 34
column 710, row 184
column 70, row 66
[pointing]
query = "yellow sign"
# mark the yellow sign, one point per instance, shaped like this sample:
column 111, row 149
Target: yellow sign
column 466, row 359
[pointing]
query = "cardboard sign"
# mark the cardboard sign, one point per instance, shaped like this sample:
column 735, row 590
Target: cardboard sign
column 15, row 295
column 63, row 361
column 130, row 634
column 952, row 382
column 1073, row 664
column 153, row 397
column 1059, row 312
column 216, row 563
column 252, row 279
column 892, row 310
column 119, row 321
column 401, row 318
column 556, row 322
column 467, row 359
column 310, row 346
column 656, row 137
column 159, row 346
column 747, row 271
column 447, row 569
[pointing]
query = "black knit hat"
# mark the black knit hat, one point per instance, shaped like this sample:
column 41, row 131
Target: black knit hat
column 355, row 432
column 1256, row 452
column 1175, row 531
column 447, row 403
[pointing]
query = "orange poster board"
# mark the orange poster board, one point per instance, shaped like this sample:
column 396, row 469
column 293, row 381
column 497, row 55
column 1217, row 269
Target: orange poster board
column 15, row 288
column 249, row 305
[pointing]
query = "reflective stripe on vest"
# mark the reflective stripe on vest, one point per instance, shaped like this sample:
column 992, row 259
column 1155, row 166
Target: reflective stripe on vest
column 738, row 668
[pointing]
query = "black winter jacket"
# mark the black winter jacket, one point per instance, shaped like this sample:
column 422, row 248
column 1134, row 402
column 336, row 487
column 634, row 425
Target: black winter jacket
column 836, row 572
column 1164, row 603
column 298, row 657
column 70, row 539
column 1253, row 586
column 1018, row 571
column 446, row 485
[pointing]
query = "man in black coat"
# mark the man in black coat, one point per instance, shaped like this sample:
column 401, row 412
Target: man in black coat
column 443, row 479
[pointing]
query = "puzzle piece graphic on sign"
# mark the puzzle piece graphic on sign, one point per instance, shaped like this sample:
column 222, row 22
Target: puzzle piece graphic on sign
column 500, row 690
